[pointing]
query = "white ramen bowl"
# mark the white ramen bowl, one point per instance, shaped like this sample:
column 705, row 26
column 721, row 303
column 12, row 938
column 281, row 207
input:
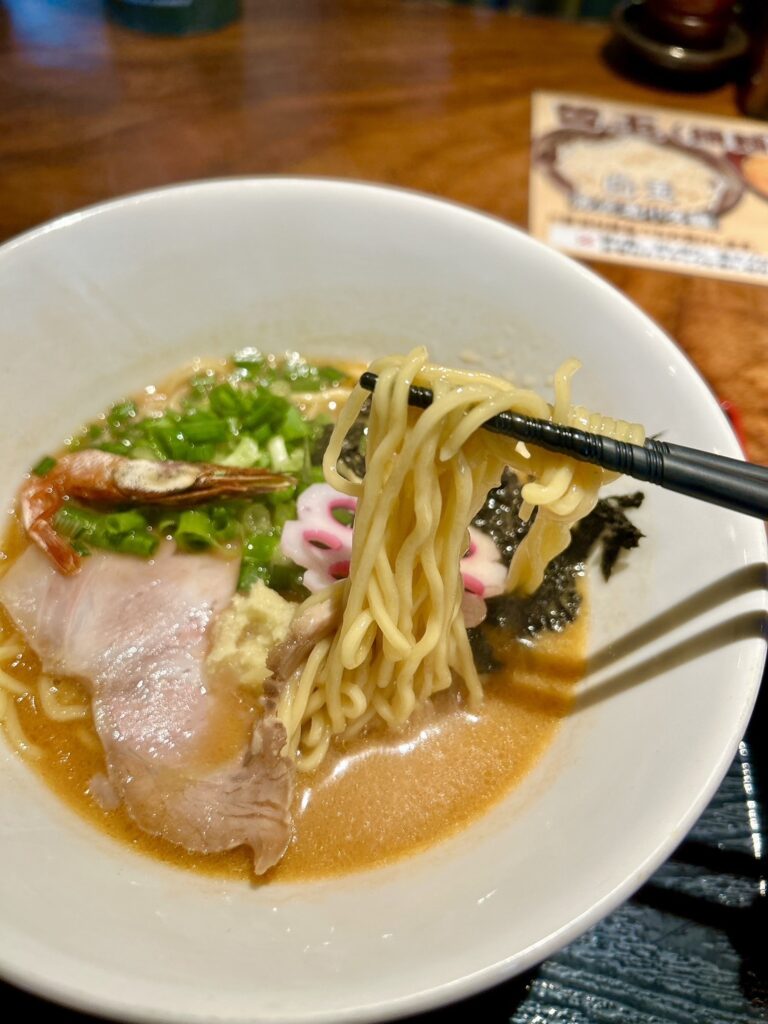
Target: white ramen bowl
column 104, row 301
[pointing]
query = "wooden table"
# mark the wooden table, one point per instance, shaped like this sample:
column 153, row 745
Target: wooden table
column 411, row 93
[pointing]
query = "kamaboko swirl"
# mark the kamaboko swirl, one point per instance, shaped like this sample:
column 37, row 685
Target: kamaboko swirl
column 399, row 634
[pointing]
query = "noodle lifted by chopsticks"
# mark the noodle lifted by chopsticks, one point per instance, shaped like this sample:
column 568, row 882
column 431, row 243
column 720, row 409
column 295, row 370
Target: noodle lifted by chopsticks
column 402, row 637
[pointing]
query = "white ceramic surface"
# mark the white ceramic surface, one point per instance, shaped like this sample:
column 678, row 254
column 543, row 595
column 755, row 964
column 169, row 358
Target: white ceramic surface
column 104, row 301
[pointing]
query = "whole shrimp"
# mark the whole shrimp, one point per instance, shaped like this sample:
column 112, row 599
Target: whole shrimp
column 102, row 478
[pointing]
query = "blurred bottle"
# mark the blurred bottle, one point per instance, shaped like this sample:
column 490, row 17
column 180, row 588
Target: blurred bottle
column 173, row 17
column 679, row 44
column 701, row 24
column 753, row 91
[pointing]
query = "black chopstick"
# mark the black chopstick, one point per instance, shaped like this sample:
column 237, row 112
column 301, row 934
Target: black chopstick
column 739, row 486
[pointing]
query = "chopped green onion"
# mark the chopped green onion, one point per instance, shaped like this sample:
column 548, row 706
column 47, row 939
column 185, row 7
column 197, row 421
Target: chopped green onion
column 258, row 552
column 225, row 525
column 148, row 449
column 262, row 434
column 278, row 453
column 283, row 512
column 168, row 438
column 286, row 577
column 115, row 447
column 256, row 518
column 123, row 532
column 201, row 453
column 345, row 516
column 294, row 427
column 121, row 412
column 249, row 573
column 194, row 532
column 244, row 455
column 142, row 544
column 119, row 523
column 265, row 408
column 44, row 466
column 200, row 427
column 261, row 547
column 276, row 498
column 244, row 419
column 295, row 461
column 225, row 400
column 72, row 521
column 167, row 524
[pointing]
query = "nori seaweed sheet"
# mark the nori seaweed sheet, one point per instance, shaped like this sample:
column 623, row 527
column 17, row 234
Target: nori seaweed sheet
column 352, row 448
column 557, row 601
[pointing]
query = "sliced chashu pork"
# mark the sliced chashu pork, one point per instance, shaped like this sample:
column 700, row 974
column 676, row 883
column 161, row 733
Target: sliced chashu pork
column 179, row 753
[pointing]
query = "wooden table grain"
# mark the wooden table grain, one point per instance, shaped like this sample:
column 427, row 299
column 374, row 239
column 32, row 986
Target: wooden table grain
column 410, row 93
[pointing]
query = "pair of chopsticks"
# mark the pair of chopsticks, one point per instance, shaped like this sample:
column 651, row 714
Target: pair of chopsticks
column 739, row 486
